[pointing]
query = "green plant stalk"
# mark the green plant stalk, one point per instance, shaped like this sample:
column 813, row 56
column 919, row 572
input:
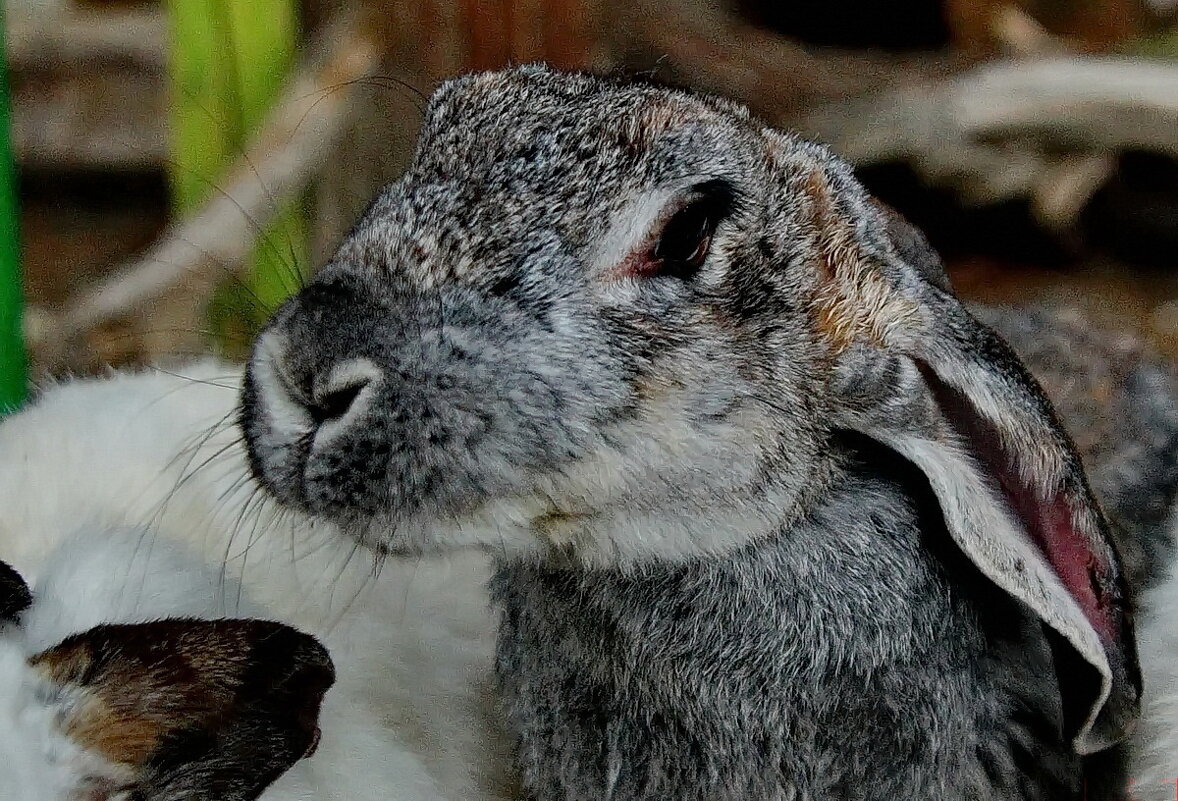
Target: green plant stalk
column 13, row 362
column 229, row 61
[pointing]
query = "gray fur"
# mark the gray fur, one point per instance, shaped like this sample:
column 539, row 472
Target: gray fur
column 713, row 585
column 773, row 675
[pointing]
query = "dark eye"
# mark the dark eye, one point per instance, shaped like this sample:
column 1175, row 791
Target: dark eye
column 686, row 238
column 685, row 242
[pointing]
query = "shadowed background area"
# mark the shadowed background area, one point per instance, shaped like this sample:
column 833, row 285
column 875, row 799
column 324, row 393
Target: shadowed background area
column 183, row 163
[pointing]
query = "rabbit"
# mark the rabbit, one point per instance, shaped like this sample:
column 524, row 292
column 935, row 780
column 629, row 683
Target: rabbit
column 773, row 515
column 411, row 714
column 132, row 688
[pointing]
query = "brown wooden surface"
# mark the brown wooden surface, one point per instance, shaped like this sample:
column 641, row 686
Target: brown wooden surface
column 517, row 31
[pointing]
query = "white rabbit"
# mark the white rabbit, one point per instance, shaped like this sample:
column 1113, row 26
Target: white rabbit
column 119, row 680
column 410, row 715
column 1155, row 746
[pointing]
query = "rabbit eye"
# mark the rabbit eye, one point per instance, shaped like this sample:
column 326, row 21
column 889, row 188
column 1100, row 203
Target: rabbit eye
column 685, row 242
column 686, row 238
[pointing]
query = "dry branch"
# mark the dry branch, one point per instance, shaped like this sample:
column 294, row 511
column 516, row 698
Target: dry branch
column 291, row 146
column 1001, row 129
column 705, row 46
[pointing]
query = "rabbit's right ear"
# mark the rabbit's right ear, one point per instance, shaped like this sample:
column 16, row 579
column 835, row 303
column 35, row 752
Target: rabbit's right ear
column 14, row 594
column 201, row 710
column 911, row 368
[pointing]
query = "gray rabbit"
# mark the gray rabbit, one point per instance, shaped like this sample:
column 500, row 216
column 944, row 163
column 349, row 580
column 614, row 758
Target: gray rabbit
column 775, row 516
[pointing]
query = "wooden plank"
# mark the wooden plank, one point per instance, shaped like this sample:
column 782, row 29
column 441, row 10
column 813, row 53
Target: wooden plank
column 569, row 33
column 488, row 27
column 88, row 89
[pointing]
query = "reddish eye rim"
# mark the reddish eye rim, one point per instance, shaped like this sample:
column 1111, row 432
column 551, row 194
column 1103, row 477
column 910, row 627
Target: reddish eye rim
column 682, row 239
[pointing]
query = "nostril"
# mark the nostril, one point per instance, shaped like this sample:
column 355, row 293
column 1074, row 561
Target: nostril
column 334, row 403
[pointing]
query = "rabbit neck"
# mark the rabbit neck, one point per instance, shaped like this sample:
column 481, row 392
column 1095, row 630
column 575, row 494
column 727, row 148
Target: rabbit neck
column 832, row 660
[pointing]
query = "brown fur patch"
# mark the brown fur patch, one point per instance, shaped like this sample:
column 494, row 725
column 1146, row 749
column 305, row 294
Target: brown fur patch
column 239, row 698
column 854, row 303
column 136, row 684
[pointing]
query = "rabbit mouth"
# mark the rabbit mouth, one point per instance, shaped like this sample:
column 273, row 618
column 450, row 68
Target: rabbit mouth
column 371, row 447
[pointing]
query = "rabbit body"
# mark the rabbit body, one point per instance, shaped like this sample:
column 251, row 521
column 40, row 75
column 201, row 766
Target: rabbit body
column 795, row 614
column 759, row 675
column 97, row 474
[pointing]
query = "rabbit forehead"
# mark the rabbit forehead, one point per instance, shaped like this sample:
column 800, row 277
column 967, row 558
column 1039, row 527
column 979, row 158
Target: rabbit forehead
column 504, row 109
column 529, row 138
column 531, row 162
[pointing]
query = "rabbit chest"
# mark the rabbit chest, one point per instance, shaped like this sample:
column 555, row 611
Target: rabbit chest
column 853, row 656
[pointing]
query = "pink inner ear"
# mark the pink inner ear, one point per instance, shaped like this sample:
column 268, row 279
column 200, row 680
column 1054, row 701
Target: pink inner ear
column 1066, row 549
column 1050, row 523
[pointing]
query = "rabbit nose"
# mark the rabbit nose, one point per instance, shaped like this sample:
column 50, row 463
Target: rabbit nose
column 301, row 389
column 342, row 390
column 335, row 403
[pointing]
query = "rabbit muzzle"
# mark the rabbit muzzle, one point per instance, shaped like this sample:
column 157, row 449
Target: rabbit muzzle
column 363, row 404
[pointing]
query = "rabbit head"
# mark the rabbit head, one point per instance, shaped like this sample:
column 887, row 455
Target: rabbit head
column 162, row 710
column 611, row 322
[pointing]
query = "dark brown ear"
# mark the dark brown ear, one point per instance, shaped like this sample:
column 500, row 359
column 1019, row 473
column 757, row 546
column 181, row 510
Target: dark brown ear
column 14, row 594
column 192, row 709
column 914, row 370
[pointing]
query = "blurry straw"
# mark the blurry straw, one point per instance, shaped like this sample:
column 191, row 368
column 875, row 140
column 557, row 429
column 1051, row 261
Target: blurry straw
column 229, row 62
column 13, row 380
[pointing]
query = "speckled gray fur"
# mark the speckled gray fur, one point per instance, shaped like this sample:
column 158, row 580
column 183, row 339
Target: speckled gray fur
column 773, row 675
column 715, row 582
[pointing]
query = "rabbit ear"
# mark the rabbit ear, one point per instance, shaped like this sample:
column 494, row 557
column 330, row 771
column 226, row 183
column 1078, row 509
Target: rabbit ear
column 14, row 593
column 914, row 370
column 191, row 709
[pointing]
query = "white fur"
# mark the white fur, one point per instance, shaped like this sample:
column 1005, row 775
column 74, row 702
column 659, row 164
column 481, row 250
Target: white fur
column 39, row 763
column 1155, row 746
column 96, row 576
column 410, row 717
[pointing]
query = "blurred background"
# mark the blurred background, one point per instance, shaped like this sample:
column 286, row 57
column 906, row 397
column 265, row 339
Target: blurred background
column 181, row 164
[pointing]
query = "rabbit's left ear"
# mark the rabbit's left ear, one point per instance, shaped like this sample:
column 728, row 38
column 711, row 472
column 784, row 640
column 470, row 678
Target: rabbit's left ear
column 204, row 710
column 915, row 371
